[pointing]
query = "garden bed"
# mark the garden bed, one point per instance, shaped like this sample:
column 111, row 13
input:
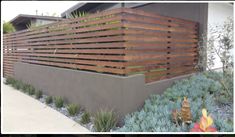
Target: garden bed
column 202, row 90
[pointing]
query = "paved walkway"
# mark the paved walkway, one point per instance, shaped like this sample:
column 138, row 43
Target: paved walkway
column 22, row 113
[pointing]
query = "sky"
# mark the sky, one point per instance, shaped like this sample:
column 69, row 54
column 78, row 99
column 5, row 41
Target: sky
column 11, row 9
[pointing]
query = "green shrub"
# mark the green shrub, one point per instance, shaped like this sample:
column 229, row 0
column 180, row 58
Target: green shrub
column 9, row 80
column 104, row 121
column 85, row 118
column 49, row 100
column 17, row 84
column 14, row 84
column 30, row 90
column 25, row 87
column 73, row 109
column 38, row 94
column 8, row 28
column 155, row 116
column 59, row 102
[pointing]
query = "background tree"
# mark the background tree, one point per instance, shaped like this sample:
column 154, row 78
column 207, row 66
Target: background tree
column 220, row 46
column 8, row 28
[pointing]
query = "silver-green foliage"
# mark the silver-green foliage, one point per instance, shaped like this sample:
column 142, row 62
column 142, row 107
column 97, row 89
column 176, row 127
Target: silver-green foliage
column 223, row 125
column 156, row 113
column 225, row 96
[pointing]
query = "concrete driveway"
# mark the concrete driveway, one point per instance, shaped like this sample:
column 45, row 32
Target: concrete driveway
column 22, row 113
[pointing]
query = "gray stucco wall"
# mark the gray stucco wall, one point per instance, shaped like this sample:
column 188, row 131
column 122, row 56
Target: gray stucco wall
column 93, row 91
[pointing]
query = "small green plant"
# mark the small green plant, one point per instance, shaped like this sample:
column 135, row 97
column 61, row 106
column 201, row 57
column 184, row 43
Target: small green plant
column 104, row 121
column 25, row 88
column 9, row 80
column 59, row 102
column 38, row 94
column 30, row 90
column 18, row 84
column 73, row 109
column 49, row 100
column 15, row 83
column 85, row 118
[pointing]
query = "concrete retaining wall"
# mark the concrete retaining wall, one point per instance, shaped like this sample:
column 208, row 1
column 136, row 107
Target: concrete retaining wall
column 91, row 90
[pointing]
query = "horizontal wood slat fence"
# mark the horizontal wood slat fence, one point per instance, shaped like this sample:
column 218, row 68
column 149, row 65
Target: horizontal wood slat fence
column 120, row 41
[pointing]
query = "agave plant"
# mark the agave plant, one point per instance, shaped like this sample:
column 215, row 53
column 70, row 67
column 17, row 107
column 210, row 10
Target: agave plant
column 78, row 14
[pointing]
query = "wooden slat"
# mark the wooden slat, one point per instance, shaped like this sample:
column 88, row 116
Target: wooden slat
column 78, row 35
column 150, row 33
column 104, row 51
column 87, row 40
column 90, row 62
column 164, row 74
column 140, row 12
column 74, row 56
column 76, row 66
column 144, row 19
column 156, row 39
column 82, row 46
column 153, row 56
column 152, row 44
column 129, row 24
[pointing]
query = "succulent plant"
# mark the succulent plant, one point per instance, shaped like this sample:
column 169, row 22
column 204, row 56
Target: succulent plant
column 205, row 124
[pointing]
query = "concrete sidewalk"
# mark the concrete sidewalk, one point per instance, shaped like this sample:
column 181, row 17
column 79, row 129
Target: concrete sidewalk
column 22, row 113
